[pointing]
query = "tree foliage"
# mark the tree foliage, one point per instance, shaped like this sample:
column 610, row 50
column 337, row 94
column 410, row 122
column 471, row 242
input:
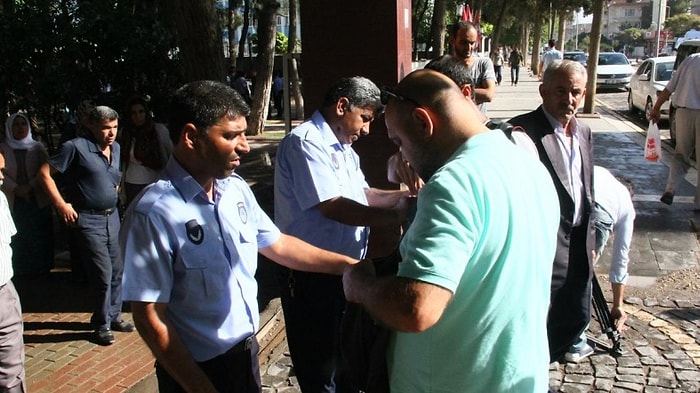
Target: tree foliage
column 55, row 54
column 681, row 23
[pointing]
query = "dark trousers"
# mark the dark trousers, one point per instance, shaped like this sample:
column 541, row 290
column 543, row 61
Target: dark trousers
column 499, row 73
column 570, row 305
column 313, row 306
column 97, row 238
column 12, row 379
column 514, row 74
column 236, row 371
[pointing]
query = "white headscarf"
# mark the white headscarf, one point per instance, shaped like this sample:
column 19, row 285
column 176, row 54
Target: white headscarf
column 25, row 143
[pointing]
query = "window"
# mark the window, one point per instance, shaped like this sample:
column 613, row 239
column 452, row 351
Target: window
column 629, row 12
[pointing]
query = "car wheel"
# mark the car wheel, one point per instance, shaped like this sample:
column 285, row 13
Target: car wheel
column 647, row 108
column 630, row 103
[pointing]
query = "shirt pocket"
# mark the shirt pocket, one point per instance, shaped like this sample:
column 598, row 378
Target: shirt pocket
column 205, row 270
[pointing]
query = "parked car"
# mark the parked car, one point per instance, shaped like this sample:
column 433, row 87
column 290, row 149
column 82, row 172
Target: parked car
column 614, row 70
column 686, row 48
column 648, row 82
column 579, row 56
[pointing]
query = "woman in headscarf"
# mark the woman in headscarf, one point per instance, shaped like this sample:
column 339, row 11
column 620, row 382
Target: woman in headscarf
column 32, row 246
column 146, row 147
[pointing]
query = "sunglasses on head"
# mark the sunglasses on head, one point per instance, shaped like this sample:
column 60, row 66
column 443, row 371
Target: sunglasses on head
column 386, row 93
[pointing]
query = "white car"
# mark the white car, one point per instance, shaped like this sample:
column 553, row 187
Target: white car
column 648, row 82
column 614, row 70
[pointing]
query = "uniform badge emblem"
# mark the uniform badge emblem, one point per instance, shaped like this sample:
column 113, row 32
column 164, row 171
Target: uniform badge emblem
column 334, row 158
column 194, row 231
column 242, row 212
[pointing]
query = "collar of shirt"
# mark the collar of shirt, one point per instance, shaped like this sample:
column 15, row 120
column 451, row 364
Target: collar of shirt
column 326, row 132
column 558, row 127
column 187, row 186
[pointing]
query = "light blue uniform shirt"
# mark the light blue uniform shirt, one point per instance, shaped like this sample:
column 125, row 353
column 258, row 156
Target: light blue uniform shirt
column 197, row 256
column 312, row 167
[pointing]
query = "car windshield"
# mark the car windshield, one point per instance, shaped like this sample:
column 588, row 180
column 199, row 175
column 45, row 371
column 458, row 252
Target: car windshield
column 574, row 56
column 612, row 59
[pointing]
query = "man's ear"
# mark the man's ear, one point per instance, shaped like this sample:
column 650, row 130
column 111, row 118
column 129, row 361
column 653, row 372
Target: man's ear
column 424, row 123
column 189, row 135
column 342, row 106
column 468, row 91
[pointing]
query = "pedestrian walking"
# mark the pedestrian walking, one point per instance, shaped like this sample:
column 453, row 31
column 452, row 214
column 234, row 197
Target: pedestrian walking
column 685, row 87
column 514, row 61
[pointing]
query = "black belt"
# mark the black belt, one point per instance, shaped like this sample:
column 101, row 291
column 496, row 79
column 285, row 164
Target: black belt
column 98, row 212
column 243, row 345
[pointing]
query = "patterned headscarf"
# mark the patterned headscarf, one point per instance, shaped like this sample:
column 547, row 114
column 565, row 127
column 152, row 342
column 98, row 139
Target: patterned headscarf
column 25, row 143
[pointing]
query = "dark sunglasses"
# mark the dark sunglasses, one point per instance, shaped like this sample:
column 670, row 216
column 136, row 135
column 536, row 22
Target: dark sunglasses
column 386, row 94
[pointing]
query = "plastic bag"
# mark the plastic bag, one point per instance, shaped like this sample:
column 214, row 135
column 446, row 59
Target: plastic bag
column 652, row 146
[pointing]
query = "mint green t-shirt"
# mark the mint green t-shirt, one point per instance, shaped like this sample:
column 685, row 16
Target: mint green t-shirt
column 485, row 229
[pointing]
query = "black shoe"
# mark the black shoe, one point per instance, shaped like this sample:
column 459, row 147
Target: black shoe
column 104, row 337
column 122, row 326
column 667, row 198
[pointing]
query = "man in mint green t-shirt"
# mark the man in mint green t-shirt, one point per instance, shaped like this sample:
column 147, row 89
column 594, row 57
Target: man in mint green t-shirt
column 469, row 303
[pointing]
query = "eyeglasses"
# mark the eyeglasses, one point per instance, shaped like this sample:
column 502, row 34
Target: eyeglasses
column 386, row 94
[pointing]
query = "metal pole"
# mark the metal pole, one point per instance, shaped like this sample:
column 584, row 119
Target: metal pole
column 658, row 31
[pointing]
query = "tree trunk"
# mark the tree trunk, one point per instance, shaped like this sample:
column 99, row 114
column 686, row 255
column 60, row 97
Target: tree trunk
column 525, row 42
column 199, row 39
column 244, row 33
column 232, row 25
column 437, row 29
column 536, row 39
column 294, row 82
column 264, row 66
column 498, row 27
column 561, row 34
column 593, row 51
column 417, row 17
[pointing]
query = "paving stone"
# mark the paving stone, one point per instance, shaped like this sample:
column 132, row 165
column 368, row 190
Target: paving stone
column 651, row 302
column 675, row 355
column 663, row 382
column 657, row 389
column 628, row 361
column 668, row 303
column 688, row 375
column 604, row 384
column 579, row 368
column 579, row 378
column 631, row 378
column 574, row 388
column 685, row 303
column 634, row 300
column 658, row 323
column 657, row 360
column 689, row 386
column 645, row 351
column 683, row 364
column 605, row 372
column 662, row 373
column 635, row 387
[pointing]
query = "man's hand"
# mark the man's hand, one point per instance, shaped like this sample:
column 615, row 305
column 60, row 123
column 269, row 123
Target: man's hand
column 68, row 214
column 620, row 317
column 400, row 171
column 354, row 276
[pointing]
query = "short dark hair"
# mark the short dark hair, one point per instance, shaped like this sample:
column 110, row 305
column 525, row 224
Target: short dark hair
column 463, row 24
column 551, row 43
column 453, row 68
column 203, row 103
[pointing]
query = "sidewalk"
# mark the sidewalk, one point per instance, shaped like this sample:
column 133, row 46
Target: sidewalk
column 663, row 354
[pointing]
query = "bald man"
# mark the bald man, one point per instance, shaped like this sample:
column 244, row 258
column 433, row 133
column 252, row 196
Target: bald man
column 468, row 304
